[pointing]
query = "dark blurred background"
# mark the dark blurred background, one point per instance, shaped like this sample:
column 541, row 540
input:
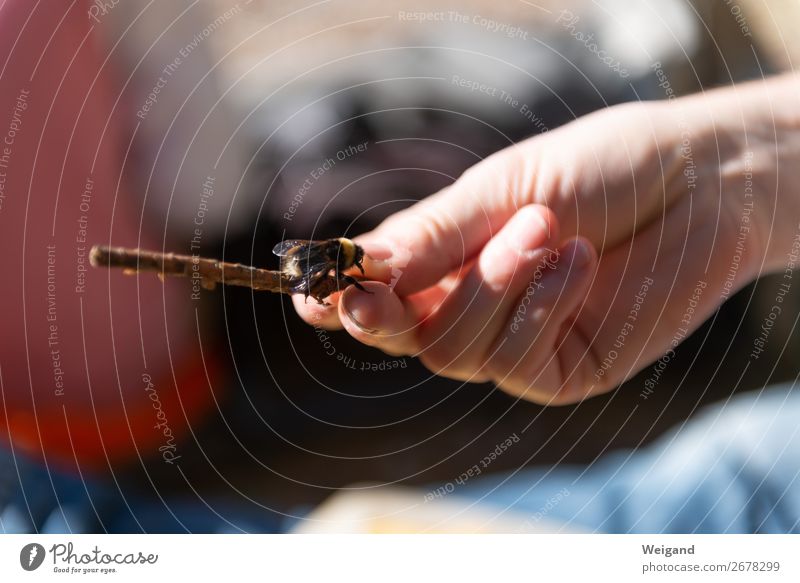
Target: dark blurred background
column 297, row 85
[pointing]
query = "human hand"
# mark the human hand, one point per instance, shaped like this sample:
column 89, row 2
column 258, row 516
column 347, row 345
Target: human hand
column 499, row 274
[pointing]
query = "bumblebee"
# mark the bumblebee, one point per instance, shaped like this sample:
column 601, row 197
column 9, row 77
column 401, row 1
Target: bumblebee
column 315, row 268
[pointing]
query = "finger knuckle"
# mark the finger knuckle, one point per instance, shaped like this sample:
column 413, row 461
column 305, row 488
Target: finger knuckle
column 524, row 389
column 440, row 356
column 503, row 367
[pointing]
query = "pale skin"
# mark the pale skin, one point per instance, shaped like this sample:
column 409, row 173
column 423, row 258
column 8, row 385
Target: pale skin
column 530, row 270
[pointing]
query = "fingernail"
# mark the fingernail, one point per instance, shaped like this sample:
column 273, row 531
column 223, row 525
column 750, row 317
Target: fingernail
column 528, row 231
column 578, row 253
column 355, row 308
column 377, row 251
column 353, row 315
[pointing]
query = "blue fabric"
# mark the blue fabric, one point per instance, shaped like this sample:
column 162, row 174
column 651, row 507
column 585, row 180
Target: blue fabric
column 35, row 499
column 732, row 469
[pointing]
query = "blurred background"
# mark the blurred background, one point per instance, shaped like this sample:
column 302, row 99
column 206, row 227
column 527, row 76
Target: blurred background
column 253, row 97
column 290, row 85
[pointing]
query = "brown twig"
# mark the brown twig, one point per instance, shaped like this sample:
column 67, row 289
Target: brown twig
column 209, row 271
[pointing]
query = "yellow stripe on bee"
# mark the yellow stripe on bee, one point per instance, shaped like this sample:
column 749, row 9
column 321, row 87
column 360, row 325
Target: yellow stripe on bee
column 348, row 250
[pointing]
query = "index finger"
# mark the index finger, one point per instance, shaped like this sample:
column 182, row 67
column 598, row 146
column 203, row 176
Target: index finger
column 422, row 244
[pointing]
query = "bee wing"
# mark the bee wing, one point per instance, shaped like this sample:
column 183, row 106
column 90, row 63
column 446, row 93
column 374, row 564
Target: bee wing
column 304, row 263
column 291, row 246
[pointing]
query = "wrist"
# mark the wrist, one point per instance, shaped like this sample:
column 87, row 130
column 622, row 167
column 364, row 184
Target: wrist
column 753, row 137
column 782, row 120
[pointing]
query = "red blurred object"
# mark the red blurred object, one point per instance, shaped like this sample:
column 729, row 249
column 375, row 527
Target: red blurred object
column 76, row 342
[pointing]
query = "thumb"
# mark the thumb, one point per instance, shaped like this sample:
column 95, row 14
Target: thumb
column 422, row 244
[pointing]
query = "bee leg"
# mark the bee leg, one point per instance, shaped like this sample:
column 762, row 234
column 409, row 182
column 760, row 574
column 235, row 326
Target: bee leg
column 322, row 289
column 353, row 281
column 361, row 269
